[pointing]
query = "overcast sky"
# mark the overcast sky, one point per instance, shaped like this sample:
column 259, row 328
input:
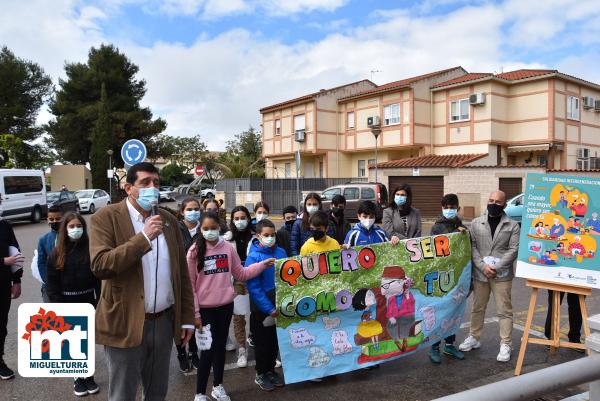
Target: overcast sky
column 211, row 64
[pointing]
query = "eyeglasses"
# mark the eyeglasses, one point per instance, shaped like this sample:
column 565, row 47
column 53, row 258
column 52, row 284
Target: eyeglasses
column 387, row 285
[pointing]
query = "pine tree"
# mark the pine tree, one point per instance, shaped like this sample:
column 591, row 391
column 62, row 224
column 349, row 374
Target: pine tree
column 102, row 140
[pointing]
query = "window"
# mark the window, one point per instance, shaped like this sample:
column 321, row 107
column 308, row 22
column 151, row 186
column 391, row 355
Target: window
column 299, row 122
column 367, row 194
column 361, row 168
column 288, row 170
column 350, row 123
column 459, row 110
column 542, row 160
column 391, row 114
column 22, row 184
column 351, row 193
column 330, row 193
column 573, row 108
column 320, row 169
column 277, row 127
column 371, row 162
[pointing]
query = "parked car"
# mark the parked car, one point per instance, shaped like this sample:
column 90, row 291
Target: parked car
column 355, row 192
column 201, row 188
column 167, row 193
column 514, row 208
column 22, row 194
column 65, row 200
column 91, row 200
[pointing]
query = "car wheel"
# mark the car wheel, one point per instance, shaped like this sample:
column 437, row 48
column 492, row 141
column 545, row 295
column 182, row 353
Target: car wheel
column 36, row 215
column 92, row 208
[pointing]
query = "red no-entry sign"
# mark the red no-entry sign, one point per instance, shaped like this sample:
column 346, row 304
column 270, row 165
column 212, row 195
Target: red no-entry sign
column 199, row 170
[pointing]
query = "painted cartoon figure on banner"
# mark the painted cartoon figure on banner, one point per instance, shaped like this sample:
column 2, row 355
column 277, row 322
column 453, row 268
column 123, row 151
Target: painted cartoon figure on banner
column 395, row 287
column 369, row 328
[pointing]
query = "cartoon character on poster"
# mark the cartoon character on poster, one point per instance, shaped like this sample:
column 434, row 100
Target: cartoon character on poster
column 395, row 287
column 368, row 328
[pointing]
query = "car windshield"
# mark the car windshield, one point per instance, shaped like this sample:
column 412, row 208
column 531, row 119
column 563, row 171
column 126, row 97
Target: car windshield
column 52, row 196
column 84, row 194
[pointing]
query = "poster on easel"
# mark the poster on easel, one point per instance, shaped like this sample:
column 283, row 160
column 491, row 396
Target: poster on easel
column 345, row 310
column 560, row 230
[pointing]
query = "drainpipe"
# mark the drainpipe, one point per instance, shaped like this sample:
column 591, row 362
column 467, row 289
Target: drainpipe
column 337, row 140
column 431, row 135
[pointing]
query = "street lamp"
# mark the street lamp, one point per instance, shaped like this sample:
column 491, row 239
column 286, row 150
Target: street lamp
column 110, row 172
column 376, row 131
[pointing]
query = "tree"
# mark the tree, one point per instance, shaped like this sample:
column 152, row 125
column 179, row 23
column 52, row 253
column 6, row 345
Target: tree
column 24, row 87
column 173, row 174
column 243, row 155
column 75, row 105
column 101, row 142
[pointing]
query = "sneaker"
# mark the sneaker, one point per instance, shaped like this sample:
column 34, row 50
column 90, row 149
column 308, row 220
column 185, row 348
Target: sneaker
column 263, row 382
column 184, row 362
column 469, row 344
column 242, row 361
column 276, row 379
column 504, row 354
column 451, row 351
column 79, row 387
column 434, row 355
column 201, row 397
column 194, row 360
column 90, row 384
column 5, row 372
column 277, row 363
column 230, row 346
column 219, row 394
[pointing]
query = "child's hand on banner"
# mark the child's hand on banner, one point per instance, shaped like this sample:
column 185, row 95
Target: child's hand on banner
column 204, row 338
column 395, row 240
column 269, row 321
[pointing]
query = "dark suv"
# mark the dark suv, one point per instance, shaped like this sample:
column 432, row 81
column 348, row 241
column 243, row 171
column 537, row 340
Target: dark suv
column 355, row 192
column 65, row 200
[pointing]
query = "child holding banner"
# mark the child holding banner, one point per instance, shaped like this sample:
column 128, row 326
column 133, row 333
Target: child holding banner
column 262, row 305
column 365, row 232
column 320, row 241
column 447, row 223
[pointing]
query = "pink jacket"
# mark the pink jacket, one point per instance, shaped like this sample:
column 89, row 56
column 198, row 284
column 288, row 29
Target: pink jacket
column 214, row 285
column 407, row 307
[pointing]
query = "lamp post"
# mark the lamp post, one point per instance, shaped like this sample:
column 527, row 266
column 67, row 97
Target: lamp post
column 376, row 131
column 110, row 152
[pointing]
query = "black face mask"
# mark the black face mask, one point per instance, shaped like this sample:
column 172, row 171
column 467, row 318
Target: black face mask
column 338, row 212
column 494, row 210
column 318, row 235
column 54, row 226
column 289, row 225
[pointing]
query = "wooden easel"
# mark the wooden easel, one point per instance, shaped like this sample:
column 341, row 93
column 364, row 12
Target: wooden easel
column 555, row 341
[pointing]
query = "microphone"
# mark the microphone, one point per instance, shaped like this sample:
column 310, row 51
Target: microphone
column 154, row 210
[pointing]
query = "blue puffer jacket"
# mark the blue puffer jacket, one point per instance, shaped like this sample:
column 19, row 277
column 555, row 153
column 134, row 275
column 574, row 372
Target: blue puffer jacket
column 46, row 245
column 299, row 236
column 358, row 236
column 262, row 287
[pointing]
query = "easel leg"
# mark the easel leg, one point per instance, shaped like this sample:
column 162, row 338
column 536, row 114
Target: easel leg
column 525, row 338
column 555, row 322
column 584, row 316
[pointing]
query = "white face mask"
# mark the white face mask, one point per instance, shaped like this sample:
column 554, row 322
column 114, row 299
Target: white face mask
column 211, row 235
column 267, row 242
column 312, row 209
column 367, row 223
column 75, row 233
column 261, row 216
column 241, row 224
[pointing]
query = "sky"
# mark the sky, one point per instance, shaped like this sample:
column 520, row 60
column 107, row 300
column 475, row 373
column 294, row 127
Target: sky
column 210, row 65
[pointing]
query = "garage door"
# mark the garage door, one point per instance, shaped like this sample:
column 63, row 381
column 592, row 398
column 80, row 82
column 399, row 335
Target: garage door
column 427, row 193
column 511, row 186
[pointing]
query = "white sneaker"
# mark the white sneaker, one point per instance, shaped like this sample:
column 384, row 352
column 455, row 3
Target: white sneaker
column 469, row 344
column 230, row 345
column 219, row 394
column 277, row 363
column 200, row 397
column 242, row 361
column 504, row 354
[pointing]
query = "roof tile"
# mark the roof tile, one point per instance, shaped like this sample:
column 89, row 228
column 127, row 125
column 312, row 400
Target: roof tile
column 432, row 161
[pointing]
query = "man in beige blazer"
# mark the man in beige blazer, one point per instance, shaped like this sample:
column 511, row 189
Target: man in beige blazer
column 495, row 244
column 146, row 298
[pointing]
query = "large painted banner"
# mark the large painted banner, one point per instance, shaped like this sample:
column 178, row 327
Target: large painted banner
column 560, row 230
column 345, row 310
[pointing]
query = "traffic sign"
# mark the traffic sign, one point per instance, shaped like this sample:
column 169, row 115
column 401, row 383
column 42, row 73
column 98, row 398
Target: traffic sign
column 199, row 170
column 133, row 152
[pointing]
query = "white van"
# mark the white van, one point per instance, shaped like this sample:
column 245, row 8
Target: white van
column 22, row 195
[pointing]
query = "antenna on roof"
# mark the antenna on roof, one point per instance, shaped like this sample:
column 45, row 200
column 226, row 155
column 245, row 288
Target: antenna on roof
column 374, row 72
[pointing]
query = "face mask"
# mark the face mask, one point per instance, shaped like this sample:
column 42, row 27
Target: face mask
column 312, row 209
column 54, row 226
column 261, row 217
column 289, row 225
column 338, row 212
column 449, row 213
column 494, row 210
column 192, row 215
column 211, row 235
column 147, row 197
column 75, row 233
column 318, row 235
column 240, row 224
column 367, row 223
column 267, row 242
column 400, row 200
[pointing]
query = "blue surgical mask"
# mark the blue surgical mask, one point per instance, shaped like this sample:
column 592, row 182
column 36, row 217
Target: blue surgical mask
column 449, row 213
column 192, row 216
column 147, row 197
column 267, row 242
column 211, row 235
column 75, row 233
column 240, row 225
column 400, row 200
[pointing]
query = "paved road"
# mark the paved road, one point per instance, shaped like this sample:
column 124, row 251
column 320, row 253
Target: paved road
column 411, row 378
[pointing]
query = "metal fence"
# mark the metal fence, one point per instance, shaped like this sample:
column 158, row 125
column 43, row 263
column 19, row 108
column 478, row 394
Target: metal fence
column 278, row 193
